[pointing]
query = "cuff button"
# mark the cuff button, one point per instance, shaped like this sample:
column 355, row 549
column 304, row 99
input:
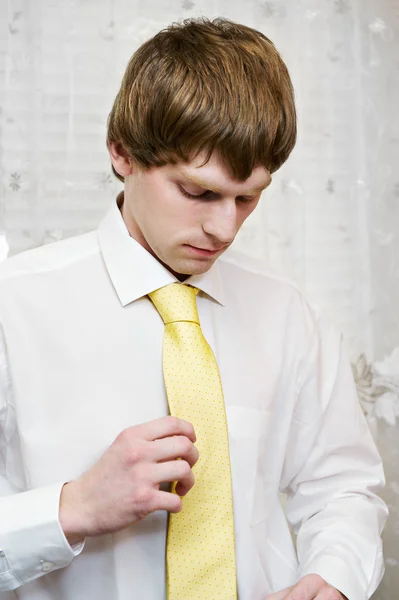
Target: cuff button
column 46, row 566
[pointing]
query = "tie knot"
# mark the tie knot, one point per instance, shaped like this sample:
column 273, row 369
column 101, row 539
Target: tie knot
column 176, row 302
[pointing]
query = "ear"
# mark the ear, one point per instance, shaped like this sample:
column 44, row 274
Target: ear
column 121, row 161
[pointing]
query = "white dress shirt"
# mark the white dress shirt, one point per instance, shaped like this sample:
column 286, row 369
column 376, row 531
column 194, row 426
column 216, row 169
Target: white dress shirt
column 80, row 360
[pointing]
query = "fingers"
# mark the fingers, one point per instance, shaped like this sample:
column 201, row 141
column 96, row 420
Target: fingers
column 307, row 588
column 178, row 446
column 310, row 587
column 330, row 593
column 177, row 470
column 166, row 501
column 166, row 427
column 281, row 595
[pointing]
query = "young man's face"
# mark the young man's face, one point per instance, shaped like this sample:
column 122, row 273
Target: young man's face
column 187, row 215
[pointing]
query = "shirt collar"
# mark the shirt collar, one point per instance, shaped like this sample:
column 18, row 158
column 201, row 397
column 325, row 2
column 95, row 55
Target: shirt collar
column 134, row 272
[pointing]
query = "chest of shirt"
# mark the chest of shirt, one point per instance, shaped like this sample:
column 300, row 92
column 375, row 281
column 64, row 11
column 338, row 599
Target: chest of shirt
column 83, row 372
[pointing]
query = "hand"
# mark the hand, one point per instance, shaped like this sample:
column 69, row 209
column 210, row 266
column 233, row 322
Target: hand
column 310, row 587
column 123, row 486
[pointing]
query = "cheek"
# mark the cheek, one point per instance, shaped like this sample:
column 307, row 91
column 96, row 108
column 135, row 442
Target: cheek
column 180, row 214
column 170, row 204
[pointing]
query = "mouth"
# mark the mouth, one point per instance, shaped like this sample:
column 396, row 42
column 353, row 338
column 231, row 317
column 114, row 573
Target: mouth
column 204, row 251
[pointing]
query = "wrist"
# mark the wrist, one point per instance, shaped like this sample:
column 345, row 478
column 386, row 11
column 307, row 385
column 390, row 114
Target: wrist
column 71, row 515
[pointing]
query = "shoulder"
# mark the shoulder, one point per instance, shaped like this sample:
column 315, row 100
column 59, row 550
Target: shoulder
column 51, row 257
column 245, row 270
column 256, row 286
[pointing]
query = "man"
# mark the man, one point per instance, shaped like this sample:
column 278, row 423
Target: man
column 96, row 425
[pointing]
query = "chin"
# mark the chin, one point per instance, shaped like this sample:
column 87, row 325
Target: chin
column 191, row 267
column 183, row 267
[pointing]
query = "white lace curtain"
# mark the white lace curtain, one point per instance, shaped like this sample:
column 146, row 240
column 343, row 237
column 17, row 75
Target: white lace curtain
column 331, row 216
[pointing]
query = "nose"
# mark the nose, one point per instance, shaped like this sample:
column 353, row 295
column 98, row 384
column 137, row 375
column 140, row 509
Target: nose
column 221, row 221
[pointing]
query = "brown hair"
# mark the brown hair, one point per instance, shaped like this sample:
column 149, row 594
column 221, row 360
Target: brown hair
column 204, row 85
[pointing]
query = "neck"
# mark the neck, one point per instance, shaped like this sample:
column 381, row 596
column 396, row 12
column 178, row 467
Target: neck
column 120, row 203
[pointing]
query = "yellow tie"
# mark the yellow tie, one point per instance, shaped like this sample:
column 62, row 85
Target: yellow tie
column 200, row 555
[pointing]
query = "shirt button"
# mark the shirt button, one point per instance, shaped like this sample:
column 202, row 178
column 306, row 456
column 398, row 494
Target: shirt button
column 46, row 566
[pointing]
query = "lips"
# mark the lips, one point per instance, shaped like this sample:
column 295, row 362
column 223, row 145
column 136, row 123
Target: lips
column 207, row 249
column 204, row 251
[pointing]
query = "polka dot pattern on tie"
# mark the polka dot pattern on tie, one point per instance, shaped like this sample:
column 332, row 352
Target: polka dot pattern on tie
column 200, row 551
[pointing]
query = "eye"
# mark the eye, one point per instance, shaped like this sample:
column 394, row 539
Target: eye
column 185, row 193
column 208, row 194
column 246, row 199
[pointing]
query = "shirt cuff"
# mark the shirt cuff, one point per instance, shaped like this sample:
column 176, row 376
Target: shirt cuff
column 337, row 573
column 32, row 541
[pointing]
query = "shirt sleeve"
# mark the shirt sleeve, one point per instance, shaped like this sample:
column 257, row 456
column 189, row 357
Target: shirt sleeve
column 32, row 542
column 333, row 473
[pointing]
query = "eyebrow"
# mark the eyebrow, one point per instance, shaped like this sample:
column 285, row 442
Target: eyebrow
column 201, row 183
